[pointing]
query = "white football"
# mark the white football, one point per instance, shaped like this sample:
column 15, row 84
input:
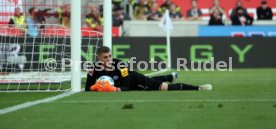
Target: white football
column 107, row 78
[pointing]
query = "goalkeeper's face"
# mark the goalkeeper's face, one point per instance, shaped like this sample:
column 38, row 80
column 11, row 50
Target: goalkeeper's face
column 106, row 59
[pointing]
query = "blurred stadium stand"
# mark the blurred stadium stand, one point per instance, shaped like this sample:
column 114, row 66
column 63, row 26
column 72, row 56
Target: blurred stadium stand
column 227, row 5
column 7, row 7
column 139, row 28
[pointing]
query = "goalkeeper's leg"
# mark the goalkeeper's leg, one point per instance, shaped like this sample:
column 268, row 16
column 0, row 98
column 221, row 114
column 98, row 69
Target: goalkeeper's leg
column 166, row 78
column 141, row 82
column 182, row 86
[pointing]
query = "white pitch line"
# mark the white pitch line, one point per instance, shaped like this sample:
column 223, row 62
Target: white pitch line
column 164, row 101
column 29, row 104
column 51, row 99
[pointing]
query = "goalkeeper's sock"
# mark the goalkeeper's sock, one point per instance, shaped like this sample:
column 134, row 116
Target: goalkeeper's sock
column 181, row 86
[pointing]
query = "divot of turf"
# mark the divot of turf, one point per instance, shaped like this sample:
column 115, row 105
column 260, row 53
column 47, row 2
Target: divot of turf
column 200, row 106
column 220, row 105
column 128, row 106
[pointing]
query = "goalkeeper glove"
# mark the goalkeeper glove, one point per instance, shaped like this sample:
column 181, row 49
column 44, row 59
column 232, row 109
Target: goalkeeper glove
column 103, row 86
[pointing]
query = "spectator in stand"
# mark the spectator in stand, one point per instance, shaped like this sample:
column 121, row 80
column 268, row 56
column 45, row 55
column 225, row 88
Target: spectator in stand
column 132, row 2
column 94, row 20
column 264, row 12
column 116, row 3
column 141, row 9
column 241, row 18
column 154, row 13
column 101, row 9
column 63, row 14
column 18, row 19
column 150, row 2
column 66, row 18
column 239, row 5
column 216, row 6
column 166, row 5
column 32, row 23
column 147, row 2
column 174, row 14
column 141, row 14
column 62, row 10
column 194, row 13
column 119, row 16
column 216, row 18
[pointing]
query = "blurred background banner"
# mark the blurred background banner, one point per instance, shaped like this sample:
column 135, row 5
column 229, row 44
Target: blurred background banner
column 245, row 52
column 236, row 31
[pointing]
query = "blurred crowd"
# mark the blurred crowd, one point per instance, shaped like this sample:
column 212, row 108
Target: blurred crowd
column 139, row 10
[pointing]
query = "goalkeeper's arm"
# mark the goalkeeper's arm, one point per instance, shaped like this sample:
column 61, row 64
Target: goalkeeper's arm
column 90, row 80
column 124, row 79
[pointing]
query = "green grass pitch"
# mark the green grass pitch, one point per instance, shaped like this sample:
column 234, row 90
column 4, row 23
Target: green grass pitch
column 241, row 99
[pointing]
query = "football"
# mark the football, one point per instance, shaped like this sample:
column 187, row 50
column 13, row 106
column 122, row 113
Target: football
column 107, row 78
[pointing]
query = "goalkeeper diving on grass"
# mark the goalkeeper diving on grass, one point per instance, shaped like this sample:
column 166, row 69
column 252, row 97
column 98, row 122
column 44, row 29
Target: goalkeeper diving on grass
column 110, row 76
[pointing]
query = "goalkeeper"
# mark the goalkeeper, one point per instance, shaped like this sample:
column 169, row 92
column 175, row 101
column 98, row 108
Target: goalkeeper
column 126, row 80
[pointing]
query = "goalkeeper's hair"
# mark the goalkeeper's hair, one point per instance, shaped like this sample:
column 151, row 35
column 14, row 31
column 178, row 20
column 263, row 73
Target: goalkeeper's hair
column 103, row 49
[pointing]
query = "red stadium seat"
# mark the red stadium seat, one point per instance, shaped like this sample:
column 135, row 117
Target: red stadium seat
column 238, row 34
column 53, row 31
column 10, row 31
column 89, row 32
column 116, row 31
